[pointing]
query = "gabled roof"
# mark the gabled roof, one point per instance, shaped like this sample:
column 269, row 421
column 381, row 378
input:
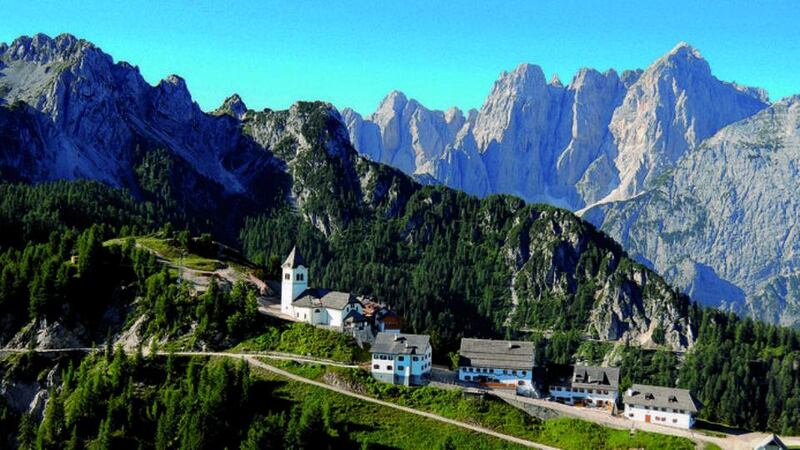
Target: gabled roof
column 592, row 377
column 355, row 316
column 497, row 354
column 400, row 344
column 771, row 442
column 316, row 298
column 660, row 397
column 294, row 260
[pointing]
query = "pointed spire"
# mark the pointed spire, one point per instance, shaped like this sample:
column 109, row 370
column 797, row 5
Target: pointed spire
column 294, row 260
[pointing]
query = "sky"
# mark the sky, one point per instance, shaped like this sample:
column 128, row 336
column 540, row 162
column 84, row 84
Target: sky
column 352, row 53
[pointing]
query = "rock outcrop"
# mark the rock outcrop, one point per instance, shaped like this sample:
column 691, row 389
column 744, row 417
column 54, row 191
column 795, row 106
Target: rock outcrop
column 723, row 223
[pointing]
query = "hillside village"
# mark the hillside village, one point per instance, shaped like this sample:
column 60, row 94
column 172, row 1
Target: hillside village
column 510, row 366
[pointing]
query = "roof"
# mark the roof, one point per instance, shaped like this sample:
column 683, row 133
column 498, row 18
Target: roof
column 660, row 397
column 355, row 315
column 294, row 260
column 497, row 354
column 592, row 377
column 396, row 343
column 770, row 442
column 316, row 298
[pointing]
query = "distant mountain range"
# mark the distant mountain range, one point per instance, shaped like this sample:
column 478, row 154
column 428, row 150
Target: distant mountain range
column 695, row 176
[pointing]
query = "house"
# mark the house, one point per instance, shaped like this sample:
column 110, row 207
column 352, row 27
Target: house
column 587, row 385
column 660, row 405
column 498, row 364
column 402, row 358
column 771, row 442
column 314, row 306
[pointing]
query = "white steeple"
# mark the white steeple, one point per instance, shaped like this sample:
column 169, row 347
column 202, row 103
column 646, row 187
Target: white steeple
column 294, row 281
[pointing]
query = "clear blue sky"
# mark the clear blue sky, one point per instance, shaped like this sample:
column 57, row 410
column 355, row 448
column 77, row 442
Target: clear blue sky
column 441, row 53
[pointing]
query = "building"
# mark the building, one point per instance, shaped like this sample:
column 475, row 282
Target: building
column 498, row 364
column 771, row 442
column 587, row 385
column 315, row 306
column 660, row 405
column 402, row 358
column 382, row 318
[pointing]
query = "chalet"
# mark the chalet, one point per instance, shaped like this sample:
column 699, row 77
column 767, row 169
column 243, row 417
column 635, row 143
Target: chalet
column 587, row 385
column 402, row 358
column 499, row 364
column 315, row 306
column 383, row 318
column 660, row 405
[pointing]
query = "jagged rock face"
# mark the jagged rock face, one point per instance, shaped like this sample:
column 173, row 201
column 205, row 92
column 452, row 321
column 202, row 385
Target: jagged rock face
column 602, row 137
column 673, row 106
column 90, row 113
column 723, row 224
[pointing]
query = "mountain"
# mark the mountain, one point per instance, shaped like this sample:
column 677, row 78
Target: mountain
column 723, row 223
column 70, row 112
column 604, row 136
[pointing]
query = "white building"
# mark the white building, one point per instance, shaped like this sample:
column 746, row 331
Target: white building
column 498, row 364
column 660, row 405
column 402, row 358
column 315, row 306
column 587, row 385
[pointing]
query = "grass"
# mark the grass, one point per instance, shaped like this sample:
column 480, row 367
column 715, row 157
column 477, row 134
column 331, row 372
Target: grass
column 168, row 249
column 307, row 340
column 379, row 427
column 493, row 413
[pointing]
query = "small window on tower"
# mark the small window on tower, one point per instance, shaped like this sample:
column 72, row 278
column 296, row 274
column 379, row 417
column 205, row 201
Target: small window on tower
column 287, row 276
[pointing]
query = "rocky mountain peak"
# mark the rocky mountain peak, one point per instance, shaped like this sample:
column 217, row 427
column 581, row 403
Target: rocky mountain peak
column 233, row 106
column 683, row 57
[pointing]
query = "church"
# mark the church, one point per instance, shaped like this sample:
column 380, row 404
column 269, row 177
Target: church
column 316, row 306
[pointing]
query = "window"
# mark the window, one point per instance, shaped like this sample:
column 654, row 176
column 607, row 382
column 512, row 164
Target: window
column 376, row 356
column 520, row 383
column 630, row 415
column 286, row 276
column 400, row 368
column 415, row 358
column 316, row 310
column 524, row 373
column 674, row 420
column 467, row 377
column 400, row 358
column 376, row 366
column 383, row 357
column 389, row 367
column 507, row 371
column 299, row 277
column 646, row 407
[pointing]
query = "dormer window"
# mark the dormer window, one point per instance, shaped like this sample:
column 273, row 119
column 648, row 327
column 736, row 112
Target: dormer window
column 649, row 397
column 673, row 399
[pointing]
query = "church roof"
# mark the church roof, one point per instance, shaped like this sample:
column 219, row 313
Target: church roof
column 496, row 354
column 294, row 260
column 400, row 344
column 592, row 377
column 316, row 298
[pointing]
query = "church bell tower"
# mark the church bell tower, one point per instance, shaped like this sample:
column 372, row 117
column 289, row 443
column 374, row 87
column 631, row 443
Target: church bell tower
column 294, row 281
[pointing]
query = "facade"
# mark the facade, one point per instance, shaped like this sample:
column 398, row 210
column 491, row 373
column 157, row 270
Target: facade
column 587, row 385
column 498, row 364
column 404, row 359
column 660, row 405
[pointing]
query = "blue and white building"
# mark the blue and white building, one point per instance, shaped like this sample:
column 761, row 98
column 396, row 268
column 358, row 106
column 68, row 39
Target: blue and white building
column 404, row 359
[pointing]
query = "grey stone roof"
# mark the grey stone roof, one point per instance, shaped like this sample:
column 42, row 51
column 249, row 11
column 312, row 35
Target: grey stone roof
column 660, row 397
column 770, row 442
column 400, row 344
column 496, row 354
column 355, row 315
column 592, row 377
column 294, row 260
column 316, row 298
